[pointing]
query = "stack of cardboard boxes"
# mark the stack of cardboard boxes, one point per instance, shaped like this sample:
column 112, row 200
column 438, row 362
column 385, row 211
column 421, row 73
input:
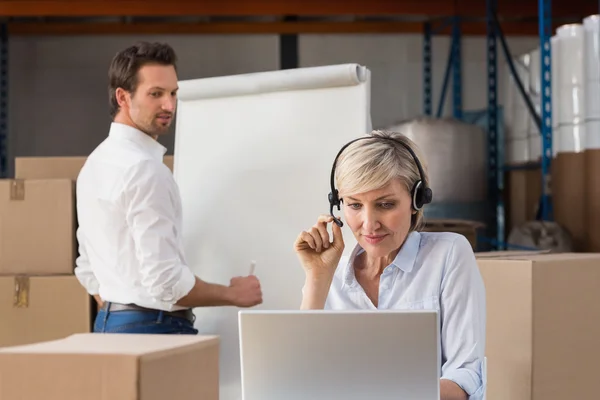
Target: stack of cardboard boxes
column 46, row 348
column 40, row 297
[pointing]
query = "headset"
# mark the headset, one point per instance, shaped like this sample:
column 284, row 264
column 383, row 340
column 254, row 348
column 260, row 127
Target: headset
column 421, row 193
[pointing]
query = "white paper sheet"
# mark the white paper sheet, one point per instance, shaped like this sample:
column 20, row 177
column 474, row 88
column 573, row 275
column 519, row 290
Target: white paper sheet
column 253, row 155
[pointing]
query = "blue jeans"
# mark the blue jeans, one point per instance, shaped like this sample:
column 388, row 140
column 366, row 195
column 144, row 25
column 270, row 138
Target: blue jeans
column 149, row 322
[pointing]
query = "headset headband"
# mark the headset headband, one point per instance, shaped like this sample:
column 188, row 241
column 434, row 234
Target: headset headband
column 421, row 193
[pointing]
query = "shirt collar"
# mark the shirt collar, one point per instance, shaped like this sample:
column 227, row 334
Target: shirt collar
column 147, row 143
column 404, row 260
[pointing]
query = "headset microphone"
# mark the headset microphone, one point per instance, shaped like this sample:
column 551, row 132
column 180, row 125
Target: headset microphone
column 332, row 203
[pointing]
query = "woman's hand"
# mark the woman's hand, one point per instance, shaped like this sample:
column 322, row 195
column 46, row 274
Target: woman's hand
column 318, row 255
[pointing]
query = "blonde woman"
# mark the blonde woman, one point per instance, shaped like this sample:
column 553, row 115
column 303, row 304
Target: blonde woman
column 382, row 188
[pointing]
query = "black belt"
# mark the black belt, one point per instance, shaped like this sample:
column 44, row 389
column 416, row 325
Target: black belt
column 187, row 313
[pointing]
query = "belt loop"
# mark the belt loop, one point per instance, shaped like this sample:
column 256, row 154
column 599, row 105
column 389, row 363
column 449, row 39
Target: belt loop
column 106, row 316
column 161, row 314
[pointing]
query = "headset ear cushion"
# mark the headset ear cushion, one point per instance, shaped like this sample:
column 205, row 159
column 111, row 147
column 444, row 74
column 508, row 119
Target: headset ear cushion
column 421, row 195
column 334, row 200
column 417, row 194
column 426, row 196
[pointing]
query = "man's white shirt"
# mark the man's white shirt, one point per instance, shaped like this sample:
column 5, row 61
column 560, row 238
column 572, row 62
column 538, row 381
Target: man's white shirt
column 130, row 217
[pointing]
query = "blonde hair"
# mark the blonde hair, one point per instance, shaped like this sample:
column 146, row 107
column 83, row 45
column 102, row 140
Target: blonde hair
column 371, row 164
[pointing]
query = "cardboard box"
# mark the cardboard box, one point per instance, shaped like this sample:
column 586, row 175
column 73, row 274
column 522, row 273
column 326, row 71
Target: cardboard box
column 466, row 228
column 56, row 167
column 113, row 367
column 48, row 167
column 543, row 325
column 37, row 227
column 40, row 308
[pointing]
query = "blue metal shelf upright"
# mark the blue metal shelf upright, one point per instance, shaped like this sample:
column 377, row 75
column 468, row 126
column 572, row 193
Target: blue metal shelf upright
column 545, row 27
column 453, row 69
column 495, row 172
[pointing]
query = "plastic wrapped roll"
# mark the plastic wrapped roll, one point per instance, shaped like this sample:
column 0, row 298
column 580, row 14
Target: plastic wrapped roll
column 542, row 235
column 592, row 100
column 571, row 105
column 592, row 135
column 591, row 27
column 535, row 83
column 570, row 138
column 571, row 60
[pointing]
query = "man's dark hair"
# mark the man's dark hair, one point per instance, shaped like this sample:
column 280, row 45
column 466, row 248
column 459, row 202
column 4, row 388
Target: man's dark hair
column 123, row 71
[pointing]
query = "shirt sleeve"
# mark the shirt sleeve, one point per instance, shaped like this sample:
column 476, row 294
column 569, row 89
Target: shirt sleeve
column 151, row 210
column 463, row 320
column 83, row 269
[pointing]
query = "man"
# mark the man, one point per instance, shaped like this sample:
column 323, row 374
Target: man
column 129, row 210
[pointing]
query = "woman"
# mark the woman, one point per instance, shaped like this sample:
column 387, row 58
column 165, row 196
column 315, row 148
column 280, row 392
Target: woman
column 394, row 266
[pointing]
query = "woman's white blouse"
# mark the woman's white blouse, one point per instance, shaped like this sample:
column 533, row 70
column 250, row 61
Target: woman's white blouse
column 432, row 271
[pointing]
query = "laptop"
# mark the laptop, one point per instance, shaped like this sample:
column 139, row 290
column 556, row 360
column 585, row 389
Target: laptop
column 349, row 355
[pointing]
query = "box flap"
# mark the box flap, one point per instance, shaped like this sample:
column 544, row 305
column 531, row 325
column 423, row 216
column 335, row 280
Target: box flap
column 105, row 343
column 556, row 257
column 56, row 167
column 509, row 253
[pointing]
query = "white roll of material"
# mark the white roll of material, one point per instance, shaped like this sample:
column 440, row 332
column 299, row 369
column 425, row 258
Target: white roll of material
column 570, row 138
column 592, row 101
column 591, row 27
column 571, row 61
column 592, row 135
column 535, row 83
column 572, row 107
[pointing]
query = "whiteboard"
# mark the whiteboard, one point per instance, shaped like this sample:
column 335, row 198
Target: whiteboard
column 253, row 156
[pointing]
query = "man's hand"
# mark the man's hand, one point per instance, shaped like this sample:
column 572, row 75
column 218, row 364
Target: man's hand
column 245, row 291
column 99, row 301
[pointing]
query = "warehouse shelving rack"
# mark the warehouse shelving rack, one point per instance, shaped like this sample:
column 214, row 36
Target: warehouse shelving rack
column 377, row 16
column 496, row 167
